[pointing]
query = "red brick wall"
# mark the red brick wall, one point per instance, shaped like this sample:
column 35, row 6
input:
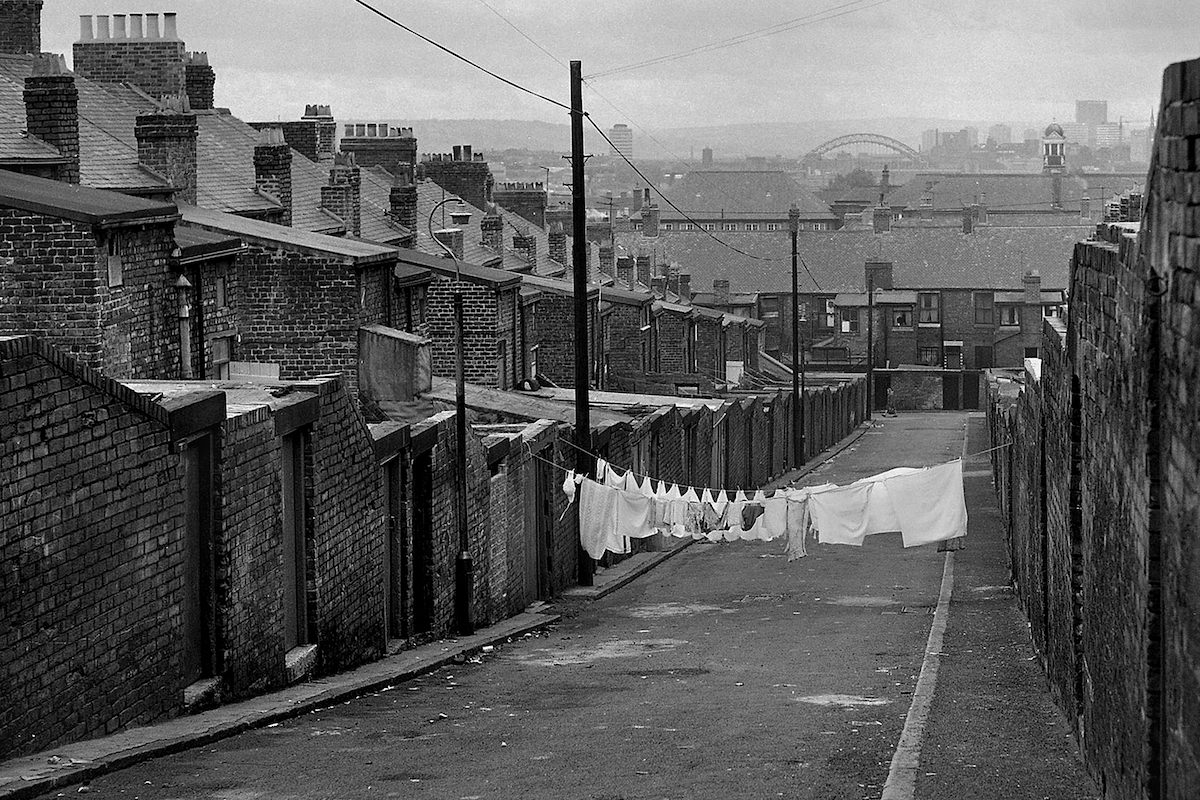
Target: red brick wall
column 93, row 526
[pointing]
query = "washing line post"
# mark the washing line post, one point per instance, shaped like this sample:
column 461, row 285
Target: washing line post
column 797, row 395
column 585, row 464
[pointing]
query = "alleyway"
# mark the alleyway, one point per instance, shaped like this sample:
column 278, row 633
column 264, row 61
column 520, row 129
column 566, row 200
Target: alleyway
column 725, row 673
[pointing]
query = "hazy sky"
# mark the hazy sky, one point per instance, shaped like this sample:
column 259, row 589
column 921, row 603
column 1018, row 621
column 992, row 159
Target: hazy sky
column 994, row 60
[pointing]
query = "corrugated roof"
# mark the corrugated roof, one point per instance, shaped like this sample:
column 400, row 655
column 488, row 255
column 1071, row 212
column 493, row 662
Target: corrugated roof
column 83, row 203
column 989, row 258
column 354, row 250
column 708, row 193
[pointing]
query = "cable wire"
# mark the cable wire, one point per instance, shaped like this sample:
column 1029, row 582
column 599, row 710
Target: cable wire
column 760, row 33
column 460, row 57
column 524, row 35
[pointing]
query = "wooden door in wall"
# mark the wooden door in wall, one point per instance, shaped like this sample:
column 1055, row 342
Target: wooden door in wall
column 540, row 534
column 422, row 544
column 951, row 399
column 395, row 564
column 199, row 587
column 970, row 391
column 295, row 599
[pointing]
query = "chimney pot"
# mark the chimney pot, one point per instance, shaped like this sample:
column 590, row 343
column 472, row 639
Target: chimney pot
column 135, row 26
column 169, row 30
column 152, row 26
column 466, row 151
column 460, row 218
column 458, row 152
column 102, row 27
column 119, row 26
column 85, row 28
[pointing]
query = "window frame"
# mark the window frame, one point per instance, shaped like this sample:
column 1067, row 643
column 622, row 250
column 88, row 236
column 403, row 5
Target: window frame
column 929, row 314
column 899, row 312
column 985, row 312
column 1008, row 315
column 116, row 263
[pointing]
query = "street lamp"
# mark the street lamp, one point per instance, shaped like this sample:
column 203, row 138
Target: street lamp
column 465, row 572
column 797, row 356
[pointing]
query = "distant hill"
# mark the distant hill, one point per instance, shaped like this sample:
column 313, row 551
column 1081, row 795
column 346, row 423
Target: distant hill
column 788, row 139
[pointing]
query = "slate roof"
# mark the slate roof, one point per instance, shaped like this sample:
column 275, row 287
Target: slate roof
column 945, row 258
column 741, row 193
column 352, row 250
column 377, row 222
column 107, row 147
column 544, row 265
column 429, row 194
column 1009, row 192
column 82, row 203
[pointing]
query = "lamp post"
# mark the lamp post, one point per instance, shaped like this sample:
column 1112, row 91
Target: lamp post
column 797, row 369
column 465, row 571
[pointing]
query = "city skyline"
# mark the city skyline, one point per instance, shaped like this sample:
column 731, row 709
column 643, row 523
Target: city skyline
column 1048, row 57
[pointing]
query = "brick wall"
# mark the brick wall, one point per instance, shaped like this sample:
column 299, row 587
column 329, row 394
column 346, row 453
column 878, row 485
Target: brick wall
column 349, row 534
column 487, row 321
column 21, row 27
column 672, row 345
column 54, row 279
column 52, row 115
column 303, row 312
column 470, row 180
column 556, row 336
column 93, row 526
column 1103, row 449
column 248, row 568
column 623, row 339
column 156, row 66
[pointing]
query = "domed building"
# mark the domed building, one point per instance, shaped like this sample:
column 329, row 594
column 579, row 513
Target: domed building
column 1054, row 150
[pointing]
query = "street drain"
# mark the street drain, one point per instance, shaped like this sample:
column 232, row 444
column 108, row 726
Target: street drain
column 917, row 610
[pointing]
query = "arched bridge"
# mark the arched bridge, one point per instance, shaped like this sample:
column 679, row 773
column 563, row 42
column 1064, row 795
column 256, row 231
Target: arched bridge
column 864, row 138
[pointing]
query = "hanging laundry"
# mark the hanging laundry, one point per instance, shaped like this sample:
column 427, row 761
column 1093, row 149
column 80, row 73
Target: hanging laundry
column 597, row 519
column 881, row 513
column 930, row 504
column 840, row 514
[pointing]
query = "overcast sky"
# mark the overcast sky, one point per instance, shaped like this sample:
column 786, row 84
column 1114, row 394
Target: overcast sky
column 993, row 60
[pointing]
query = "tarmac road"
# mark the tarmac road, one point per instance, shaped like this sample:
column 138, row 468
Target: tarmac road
column 727, row 672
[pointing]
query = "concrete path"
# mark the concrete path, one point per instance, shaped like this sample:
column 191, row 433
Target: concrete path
column 725, row 673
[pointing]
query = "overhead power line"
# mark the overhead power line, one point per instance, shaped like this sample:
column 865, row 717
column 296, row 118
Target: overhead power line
column 524, row 35
column 461, row 57
column 823, row 15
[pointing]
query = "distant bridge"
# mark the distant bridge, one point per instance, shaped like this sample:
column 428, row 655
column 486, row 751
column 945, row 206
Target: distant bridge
column 864, row 138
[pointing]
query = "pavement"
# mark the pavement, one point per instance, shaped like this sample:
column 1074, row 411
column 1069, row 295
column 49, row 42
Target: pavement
column 726, row 672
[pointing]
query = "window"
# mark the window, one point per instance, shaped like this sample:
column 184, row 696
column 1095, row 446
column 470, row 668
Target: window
column 930, row 356
column 902, row 317
column 820, row 226
column 668, row 226
column 219, row 291
column 1031, row 352
column 773, row 226
column 751, row 226
column 222, row 354
column 929, row 308
column 1010, row 315
column 983, row 308
column 1051, row 311
column 116, row 270
column 728, row 226
column 849, row 320
column 830, row 313
column 709, row 226
column 685, row 226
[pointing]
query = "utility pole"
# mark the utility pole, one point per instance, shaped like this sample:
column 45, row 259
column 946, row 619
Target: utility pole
column 584, row 463
column 797, row 397
column 870, row 344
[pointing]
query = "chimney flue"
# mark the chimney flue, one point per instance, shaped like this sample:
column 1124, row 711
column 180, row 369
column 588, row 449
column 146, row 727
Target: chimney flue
column 169, row 29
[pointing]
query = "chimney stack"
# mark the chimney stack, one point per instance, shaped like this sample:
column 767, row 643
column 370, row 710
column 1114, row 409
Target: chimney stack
column 342, row 197
column 463, row 172
column 20, row 27
column 135, row 54
column 167, row 144
column 650, row 218
column 403, row 200
column 721, row 292
column 451, row 238
column 882, row 219
column 273, row 170
column 526, row 245
column 878, row 274
column 1031, row 284
column 685, row 286
column 526, row 199
column 607, row 262
column 492, row 229
column 200, row 81
column 968, row 219
column 1085, row 208
column 558, row 244
column 643, row 270
column 658, row 285
column 926, row 209
column 625, row 270
column 52, row 111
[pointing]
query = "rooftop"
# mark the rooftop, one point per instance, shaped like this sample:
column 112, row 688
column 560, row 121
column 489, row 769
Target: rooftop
column 80, row 203
column 944, row 258
column 713, row 193
column 355, row 251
